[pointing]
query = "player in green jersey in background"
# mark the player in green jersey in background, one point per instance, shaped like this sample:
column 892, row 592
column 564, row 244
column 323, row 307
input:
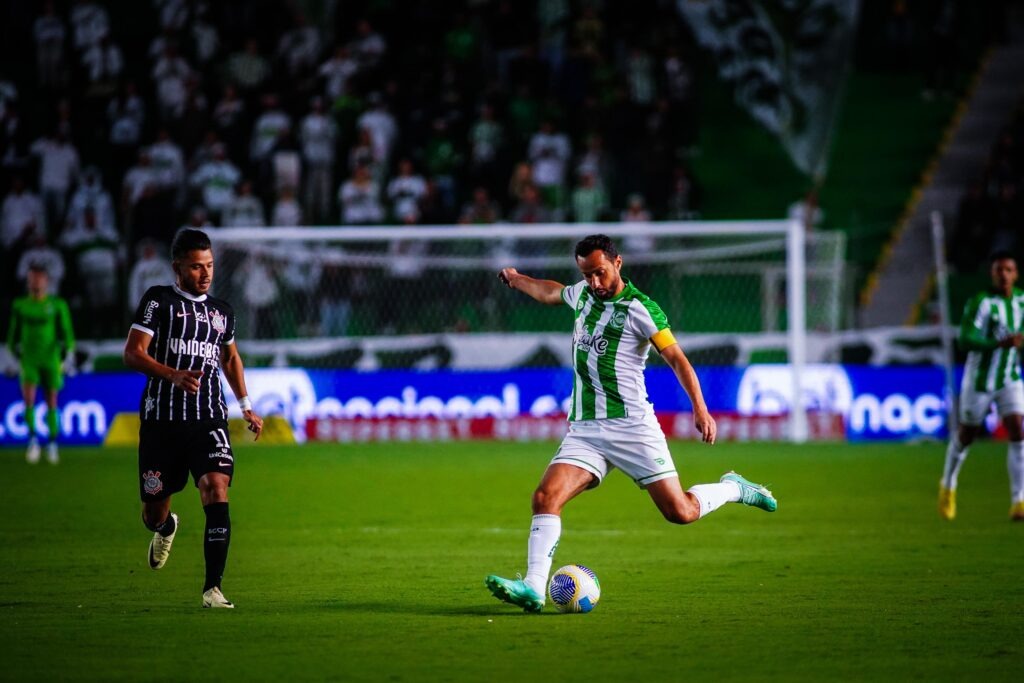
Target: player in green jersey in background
column 40, row 337
column 991, row 333
column 611, row 421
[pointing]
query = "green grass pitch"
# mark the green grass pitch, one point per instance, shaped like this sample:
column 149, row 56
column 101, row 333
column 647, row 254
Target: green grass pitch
column 367, row 563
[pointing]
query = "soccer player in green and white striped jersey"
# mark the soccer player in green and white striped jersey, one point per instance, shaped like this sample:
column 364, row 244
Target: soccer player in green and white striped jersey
column 611, row 422
column 991, row 333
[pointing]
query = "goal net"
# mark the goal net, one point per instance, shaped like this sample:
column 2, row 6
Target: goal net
column 313, row 291
column 427, row 297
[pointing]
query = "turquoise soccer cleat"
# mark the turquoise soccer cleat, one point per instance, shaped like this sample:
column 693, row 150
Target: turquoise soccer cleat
column 753, row 494
column 515, row 592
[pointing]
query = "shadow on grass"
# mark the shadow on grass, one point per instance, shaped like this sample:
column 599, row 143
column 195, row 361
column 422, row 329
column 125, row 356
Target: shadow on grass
column 481, row 610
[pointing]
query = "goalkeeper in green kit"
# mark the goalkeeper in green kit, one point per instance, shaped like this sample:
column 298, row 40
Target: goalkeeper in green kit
column 40, row 337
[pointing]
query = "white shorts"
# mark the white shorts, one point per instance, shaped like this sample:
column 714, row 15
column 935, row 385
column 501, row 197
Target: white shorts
column 636, row 445
column 974, row 405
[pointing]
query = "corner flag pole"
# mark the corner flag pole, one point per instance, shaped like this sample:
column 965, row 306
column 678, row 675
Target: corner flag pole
column 942, row 285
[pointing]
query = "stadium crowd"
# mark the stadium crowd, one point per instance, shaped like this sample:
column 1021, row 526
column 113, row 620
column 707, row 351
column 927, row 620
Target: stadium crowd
column 992, row 211
column 118, row 127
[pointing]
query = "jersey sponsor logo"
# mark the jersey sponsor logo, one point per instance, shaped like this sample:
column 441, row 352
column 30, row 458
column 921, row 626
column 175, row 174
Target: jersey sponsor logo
column 147, row 317
column 194, row 347
column 201, row 317
column 218, row 321
column 151, row 483
column 590, row 342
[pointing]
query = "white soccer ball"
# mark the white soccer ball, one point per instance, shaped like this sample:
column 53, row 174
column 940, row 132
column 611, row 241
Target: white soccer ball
column 574, row 588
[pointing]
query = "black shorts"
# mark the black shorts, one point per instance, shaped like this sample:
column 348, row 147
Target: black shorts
column 168, row 451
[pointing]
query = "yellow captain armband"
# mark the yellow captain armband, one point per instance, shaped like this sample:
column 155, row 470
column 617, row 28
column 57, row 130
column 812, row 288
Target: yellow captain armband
column 663, row 339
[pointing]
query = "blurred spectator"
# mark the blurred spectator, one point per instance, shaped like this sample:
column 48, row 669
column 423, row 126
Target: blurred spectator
column 336, row 73
column 14, row 141
column 640, row 77
column 319, row 136
column 334, row 294
column 287, row 212
column 363, row 154
column 23, row 217
column 360, row 199
column 126, row 114
column 405, row 192
column 442, row 161
column 271, row 124
column 683, row 196
column 229, row 119
column 169, row 165
column 103, row 64
column 369, row 46
column 205, row 39
column 58, row 170
column 480, row 211
column 245, row 211
column 198, row 219
column 216, row 180
column 247, row 69
column 522, row 178
column 147, row 209
column 383, row 128
column 171, row 73
column 589, row 200
column 530, row 208
column 299, row 47
column 90, row 23
column 151, row 269
column 260, row 294
column 549, row 153
column 595, row 162
column 49, row 33
column 41, row 253
column 485, row 139
column 90, row 194
column 636, row 212
column 93, row 247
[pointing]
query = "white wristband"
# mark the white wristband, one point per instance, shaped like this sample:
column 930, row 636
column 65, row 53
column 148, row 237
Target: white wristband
column 244, row 403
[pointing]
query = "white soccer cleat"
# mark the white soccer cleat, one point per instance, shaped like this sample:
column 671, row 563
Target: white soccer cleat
column 160, row 547
column 215, row 599
column 52, row 456
column 32, row 452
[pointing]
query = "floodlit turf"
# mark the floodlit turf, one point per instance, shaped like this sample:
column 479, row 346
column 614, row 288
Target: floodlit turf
column 368, row 562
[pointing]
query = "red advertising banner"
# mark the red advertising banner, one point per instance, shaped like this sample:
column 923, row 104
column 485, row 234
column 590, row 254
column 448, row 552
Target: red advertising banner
column 731, row 427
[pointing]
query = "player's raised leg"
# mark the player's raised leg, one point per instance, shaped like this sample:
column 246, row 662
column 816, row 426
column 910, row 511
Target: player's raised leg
column 213, row 492
column 560, row 484
column 700, row 500
column 158, row 518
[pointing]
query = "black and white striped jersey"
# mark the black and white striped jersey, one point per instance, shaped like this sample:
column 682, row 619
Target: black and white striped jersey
column 187, row 334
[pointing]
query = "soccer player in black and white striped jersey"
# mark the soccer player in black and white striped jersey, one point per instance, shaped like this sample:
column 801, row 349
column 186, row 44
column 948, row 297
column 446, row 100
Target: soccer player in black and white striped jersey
column 181, row 338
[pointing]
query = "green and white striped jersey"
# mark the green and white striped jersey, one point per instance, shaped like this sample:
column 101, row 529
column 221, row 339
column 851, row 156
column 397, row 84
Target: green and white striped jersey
column 610, row 342
column 990, row 317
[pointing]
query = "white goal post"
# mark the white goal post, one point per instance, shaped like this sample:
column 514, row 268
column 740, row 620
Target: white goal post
column 310, row 245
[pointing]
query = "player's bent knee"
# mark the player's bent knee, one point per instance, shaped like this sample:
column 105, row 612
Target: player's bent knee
column 544, row 502
column 681, row 513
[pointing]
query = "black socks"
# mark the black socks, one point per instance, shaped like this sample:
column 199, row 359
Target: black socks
column 215, row 542
column 164, row 528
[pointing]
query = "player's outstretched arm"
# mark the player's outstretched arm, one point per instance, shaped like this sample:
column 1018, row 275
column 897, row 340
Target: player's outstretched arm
column 136, row 356
column 545, row 291
column 234, row 373
column 680, row 365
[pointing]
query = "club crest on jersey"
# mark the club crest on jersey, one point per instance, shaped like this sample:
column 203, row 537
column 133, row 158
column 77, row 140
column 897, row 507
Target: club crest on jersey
column 218, row 321
column 618, row 320
column 151, row 483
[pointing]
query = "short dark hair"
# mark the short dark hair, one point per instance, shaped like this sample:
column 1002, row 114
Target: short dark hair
column 189, row 239
column 1001, row 255
column 591, row 243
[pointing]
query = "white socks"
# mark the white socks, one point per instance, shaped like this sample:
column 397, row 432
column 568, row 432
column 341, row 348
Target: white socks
column 540, row 550
column 713, row 496
column 1015, row 466
column 956, row 453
